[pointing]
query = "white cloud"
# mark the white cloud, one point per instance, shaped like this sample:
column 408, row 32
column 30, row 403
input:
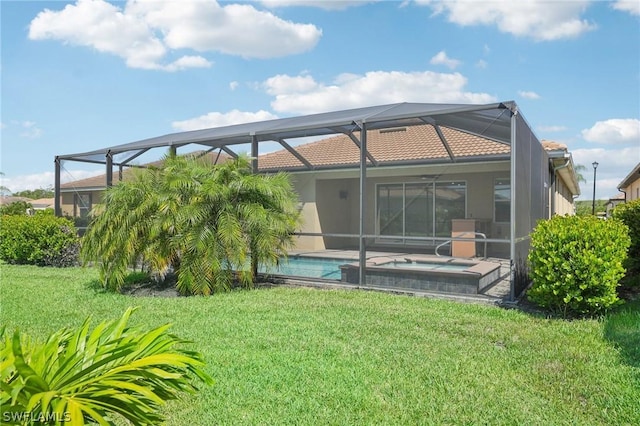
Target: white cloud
column 375, row 87
column 285, row 85
column 528, row 94
column 552, row 128
column 441, row 58
column 321, row 4
column 613, row 166
column 30, row 130
column 45, row 180
column 539, row 20
column 233, row 85
column 146, row 34
column 631, row 6
column 187, row 62
column 217, row 119
column 615, row 130
column 482, row 64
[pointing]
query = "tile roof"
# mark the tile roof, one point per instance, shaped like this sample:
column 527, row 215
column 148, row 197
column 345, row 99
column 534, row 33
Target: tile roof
column 393, row 145
column 386, row 146
column 553, row 145
column 11, row 199
column 99, row 181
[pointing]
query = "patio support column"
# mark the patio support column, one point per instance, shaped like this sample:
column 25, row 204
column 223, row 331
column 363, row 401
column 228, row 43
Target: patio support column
column 254, row 154
column 363, row 189
column 512, row 215
column 109, row 164
column 57, row 205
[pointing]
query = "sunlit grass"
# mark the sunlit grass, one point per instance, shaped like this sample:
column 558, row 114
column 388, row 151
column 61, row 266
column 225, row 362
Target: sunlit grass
column 306, row 356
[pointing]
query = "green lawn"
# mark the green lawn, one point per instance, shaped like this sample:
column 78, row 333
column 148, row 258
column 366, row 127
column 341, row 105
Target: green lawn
column 305, row 356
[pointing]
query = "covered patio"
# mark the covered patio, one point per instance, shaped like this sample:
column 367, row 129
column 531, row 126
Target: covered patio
column 367, row 182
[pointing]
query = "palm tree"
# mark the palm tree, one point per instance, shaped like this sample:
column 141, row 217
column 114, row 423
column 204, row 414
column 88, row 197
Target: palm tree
column 579, row 168
column 211, row 225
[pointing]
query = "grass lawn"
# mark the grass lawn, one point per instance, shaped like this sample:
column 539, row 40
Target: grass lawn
column 305, row 356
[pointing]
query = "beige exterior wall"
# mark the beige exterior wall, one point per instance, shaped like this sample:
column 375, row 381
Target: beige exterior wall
column 633, row 190
column 563, row 199
column 330, row 200
column 67, row 200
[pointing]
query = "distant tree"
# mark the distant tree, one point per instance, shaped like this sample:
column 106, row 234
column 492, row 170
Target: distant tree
column 211, row 225
column 584, row 207
column 3, row 189
column 35, row 194
column 580, row 169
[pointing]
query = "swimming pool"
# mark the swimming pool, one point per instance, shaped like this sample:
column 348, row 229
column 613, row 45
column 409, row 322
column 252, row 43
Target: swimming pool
column 309, row 267
column 401, row 272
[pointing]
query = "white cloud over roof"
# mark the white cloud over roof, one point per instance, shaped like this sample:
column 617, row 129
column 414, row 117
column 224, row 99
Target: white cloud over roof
column 527, row 94
column 615, row 130
column 373, row 88
column 147, row 33
column 217, row 119
column 441, row 58
column 539, row 20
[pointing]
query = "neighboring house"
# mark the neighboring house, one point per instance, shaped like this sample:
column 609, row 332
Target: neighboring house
column 43, row 203
column 402, row 177
column 4, row 201
column 613, row 202
column 78, row 197
column 630, row 185
column 564, row 182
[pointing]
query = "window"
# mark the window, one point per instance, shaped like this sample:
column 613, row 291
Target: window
column 419, row 209
column 81, row 205
column 502, row 200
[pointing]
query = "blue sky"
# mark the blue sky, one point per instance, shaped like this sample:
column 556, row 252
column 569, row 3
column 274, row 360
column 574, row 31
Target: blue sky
column 78, row 76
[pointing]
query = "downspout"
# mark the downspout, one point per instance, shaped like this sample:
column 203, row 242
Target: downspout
column 625, row 194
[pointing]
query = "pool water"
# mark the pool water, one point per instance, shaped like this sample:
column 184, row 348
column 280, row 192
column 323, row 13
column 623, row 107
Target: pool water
column 309, row 267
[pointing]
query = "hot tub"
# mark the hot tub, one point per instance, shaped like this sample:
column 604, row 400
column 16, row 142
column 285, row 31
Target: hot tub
column 421, row 273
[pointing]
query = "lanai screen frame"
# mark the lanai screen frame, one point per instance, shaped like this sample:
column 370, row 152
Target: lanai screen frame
column 500, row 122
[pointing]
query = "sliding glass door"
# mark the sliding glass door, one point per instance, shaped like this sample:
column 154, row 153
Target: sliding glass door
column 423, row 209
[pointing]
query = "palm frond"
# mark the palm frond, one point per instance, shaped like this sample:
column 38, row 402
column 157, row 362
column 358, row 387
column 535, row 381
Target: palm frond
column 81, row 376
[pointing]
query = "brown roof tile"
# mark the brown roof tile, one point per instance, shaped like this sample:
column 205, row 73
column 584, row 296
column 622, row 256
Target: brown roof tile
column 553, row 145
column 388, row 145
column 100, row 180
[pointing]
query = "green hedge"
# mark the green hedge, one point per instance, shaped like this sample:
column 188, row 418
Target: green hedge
column 629, row 213
column 42, row 239
column 576, row 263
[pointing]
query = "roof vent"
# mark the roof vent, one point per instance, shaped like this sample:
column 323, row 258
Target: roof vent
column 394, row 129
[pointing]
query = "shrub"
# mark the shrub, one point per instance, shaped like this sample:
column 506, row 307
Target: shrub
column 42, row 239
column 629, row 213
column 80, row 377
column 210, row 225
column 576, row 263
column 17, row 208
